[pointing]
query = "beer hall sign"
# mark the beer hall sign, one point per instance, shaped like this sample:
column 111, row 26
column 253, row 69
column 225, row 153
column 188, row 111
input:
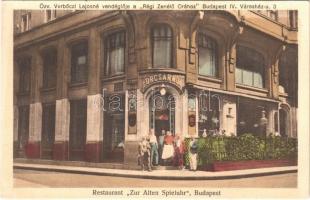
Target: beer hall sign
column 175, row 79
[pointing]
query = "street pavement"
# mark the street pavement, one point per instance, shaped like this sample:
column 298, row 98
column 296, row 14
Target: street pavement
column 33, row 178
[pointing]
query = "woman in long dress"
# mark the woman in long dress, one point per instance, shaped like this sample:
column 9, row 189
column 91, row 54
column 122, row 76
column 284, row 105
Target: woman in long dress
column 179, row 152
column 168, row 150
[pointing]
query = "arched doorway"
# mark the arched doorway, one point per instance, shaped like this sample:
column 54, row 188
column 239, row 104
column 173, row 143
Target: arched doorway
column 162, row 112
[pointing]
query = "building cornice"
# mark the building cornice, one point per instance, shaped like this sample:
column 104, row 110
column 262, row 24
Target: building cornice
column 61, row 27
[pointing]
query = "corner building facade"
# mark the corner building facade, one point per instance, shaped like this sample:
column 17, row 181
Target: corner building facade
column 89, row 84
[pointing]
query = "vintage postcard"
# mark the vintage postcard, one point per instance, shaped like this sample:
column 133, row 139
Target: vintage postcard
column 155, row 99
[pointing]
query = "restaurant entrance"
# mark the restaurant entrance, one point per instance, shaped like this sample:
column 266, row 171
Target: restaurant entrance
column 162, row 113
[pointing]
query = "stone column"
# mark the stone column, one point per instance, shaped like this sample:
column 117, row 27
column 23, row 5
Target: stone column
column 230, row 68
column 131, row 139
column 62, row 127
column 271, row 129
column 94, row 138
column 15, row 129
column 142, row 115
column 229, row 117
column 15, row 107
column 273, row 73
column 33, row 148
column 184, row 120
column 93, row 63
column 62, row 122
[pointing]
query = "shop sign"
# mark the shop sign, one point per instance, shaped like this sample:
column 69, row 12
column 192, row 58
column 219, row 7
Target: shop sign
column 175, row 79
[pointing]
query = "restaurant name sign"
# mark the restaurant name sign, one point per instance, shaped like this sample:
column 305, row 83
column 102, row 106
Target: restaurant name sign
column 174, row 79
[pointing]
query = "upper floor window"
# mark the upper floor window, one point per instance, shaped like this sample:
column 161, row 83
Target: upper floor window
column 50, row 15
column 49, row 68
column 207, row 56
column 162, row 39
column 273, row 14
column 24, row 75
column 25, row 22
column 293, row 18
column 250, row 67
column 115, row 54
column 79, row 68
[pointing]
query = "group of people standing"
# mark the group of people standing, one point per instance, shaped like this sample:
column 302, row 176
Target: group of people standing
column 165, row 150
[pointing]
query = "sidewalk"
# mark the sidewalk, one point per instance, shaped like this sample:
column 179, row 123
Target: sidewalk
column 160, row 174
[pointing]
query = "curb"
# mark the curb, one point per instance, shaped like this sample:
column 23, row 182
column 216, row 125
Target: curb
column 158, row 177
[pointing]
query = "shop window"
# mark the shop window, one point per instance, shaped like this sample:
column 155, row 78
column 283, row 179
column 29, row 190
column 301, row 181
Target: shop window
column 49, row 68
column 115, row 53
column 79, row 68
column 78, row 121
column 24, row 75
column 48, row 130
column 50, row 15
column 23, row 129
column 25, row 22
column 207, row 55
column 251, row 118
column 162, row 39
column 114, row 127
column 209, row 113
column 250, row 67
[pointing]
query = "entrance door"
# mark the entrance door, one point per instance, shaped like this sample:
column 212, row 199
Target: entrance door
column 162, row 113
column 48, row 130
column 77, row 138
column 23, row 130
column 114, row 128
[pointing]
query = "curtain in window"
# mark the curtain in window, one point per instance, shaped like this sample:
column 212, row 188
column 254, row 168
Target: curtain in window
column 257, row 80
column 115, row 54
column 162, row 46
column 49, row 69
column 25, row 76
column 207, row 56
column 250, row 67
column 79, row 71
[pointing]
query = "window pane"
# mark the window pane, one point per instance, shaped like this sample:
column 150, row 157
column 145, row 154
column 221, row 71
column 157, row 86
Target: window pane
column 207, row 56
column 238, row 75
column 247, row 77
column 79, row 71
column 49, row 68
column 81, row 60
column 162, row 46
column 25, row 76
column 251, row 63
column 115, row 53
column 206, row 62
column 258, row 80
